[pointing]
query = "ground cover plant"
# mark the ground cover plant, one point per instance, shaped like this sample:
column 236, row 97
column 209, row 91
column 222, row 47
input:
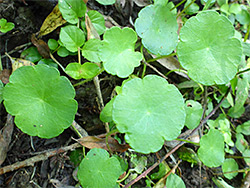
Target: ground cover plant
column 195, row 119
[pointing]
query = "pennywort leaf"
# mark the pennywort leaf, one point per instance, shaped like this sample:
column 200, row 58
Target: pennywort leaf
column 117, row 52
column 41, row 100
column 149, row 111
column 208, row 49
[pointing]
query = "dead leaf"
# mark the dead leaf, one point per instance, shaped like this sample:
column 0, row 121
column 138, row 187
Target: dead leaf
column 53, row 20
column 41, row 46
column 5, row 138
column 171, row 63
column 91, row 31
column 4, row 75
column 142, row 3
column 18, row 62
column 85, row 1
column 95, row 142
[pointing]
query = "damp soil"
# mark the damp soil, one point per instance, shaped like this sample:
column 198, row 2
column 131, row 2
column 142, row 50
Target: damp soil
column 59, row 171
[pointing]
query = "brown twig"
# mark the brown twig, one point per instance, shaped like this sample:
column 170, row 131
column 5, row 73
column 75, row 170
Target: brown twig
column 41, row 157
column 145, row 173
column 158, row 72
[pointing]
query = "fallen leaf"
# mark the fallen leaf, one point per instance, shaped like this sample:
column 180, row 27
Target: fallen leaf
column 53, row 20
column 95, row 142
column 18, row 62
column 41, row 46
column 5, row 138
column 4, row 75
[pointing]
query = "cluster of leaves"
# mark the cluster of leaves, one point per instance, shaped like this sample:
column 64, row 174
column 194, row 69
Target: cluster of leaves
column 147, row 109
column 6, row 26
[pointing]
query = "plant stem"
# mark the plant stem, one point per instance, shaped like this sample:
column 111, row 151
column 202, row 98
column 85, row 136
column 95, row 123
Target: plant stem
column 107, row 139
column 187, row 141
column 152, row 67
column 82, row 82
column 176, row 70
column 54, row 59
column 183, row 1
column 79, row 56
column 160, row 57
column 243, row 71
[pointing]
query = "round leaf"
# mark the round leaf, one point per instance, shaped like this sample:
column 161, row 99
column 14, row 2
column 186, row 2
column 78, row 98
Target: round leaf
column 174, row 181
column 244, row 128
column 49, row 62
column 117, row 52
column 97, row 20
column 72, row 37
column 230, row 165
column 42, row 101
column 157, row 26
column 86, row 71
column 53, row 44
column 90, row 50
column 98, row 170
column 62, row 52
column 208, row 49
column 149, row 111
column 72, row 10
column 211, row 151
column 193, row 114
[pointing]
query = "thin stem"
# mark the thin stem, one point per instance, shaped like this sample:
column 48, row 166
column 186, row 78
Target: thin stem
column 160, row 57
column 54, row 59
column 107, row 139
column 188, row 141
column 176, row 70
column 158, row 72
column 243, row 71
column 82, row 82
column 179, row 4
column 79, row 55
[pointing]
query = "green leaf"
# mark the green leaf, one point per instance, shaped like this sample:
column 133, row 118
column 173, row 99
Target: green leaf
column 241, row 96
column 106, row 2
column 235, row 8
column 149, row 111
column 246, row 153
column 211, row 151
column 53, row 44
column 193, row 114
column 6, row 26
column 90, row 50
column 224, row 127
column 241, row 144
column 97, row 20
column 76, row 156
column 31, row 54
column 174, row 181
column 106, row 113
column 62, row 52
column 49, row 62
column 138, row 163
column 187, row 154
column 97, row 169
column 230, row 165
column 243, row 17
column 72, row 10
column 244, row 128
column 160, row 2
column 221, row 183
column 41, row 100
column 117, row 51
column 1, row 90
column 163, row 170
column 192, row 9
column 72, row 37
column 246, row 49
column 157, row 26
column 208, row 49
column 86, row 71
column 222, row 2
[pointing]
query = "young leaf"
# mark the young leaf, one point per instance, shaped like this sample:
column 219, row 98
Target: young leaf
column 106, row 113
column 72, row 10
column 157, row 26
column 86, row 71
column 174, row 181
column 211, row 151
column 244, row 128
column 97, row 169
column 6, row 26
column 90, row 50
column 117, row 52
column 193, row 114
column 230, row 165
column 148, row 111
column 97, row 20
column 208, row 49
column 53, row 44
column 241, row 144
column 72, row 37
column 241, row 96
column 42, row 101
